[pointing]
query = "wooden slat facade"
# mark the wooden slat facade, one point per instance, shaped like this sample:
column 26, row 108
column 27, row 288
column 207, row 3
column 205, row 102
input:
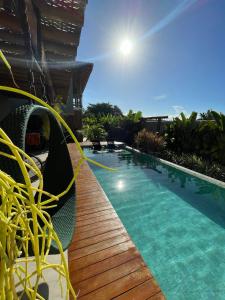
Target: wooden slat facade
column 103, row 261
column 47, row 33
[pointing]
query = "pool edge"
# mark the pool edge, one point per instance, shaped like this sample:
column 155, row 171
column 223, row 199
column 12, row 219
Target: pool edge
column 181, row 168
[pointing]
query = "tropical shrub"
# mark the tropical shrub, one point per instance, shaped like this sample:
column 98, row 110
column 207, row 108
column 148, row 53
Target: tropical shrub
column 181, row 133
column 95, row 132
column 131, row 125
column 118, row 127
column 211, row 138
column 90, row 121
column 149, row 142
column 218, row 149
column 134, row 117
column 196, row 163
column 207, row 115
column 107, row 121
column 206, row 138
column 110, row 121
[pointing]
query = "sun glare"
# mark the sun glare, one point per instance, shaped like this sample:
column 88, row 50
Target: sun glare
column 120, row 185
column 126, row 47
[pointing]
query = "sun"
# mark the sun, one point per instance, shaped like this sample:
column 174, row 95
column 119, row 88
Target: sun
column 126, row 47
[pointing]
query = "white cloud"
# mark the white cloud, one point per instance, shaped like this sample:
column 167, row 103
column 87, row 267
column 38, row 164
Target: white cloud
column 178, row 109
column 160, row 97
column 171, row 117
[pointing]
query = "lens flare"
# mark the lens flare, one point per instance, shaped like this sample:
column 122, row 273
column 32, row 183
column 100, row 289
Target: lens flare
column 126, row 47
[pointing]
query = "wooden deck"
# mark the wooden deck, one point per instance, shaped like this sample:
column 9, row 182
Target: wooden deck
column 103, row 261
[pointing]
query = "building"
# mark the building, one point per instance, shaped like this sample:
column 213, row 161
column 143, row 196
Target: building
column 40, row 39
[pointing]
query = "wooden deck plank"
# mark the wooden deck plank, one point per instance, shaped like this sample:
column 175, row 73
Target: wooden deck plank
column 99, row 256
column 83, row 206
column 104, row 263
column 92, row 220
column 96, row 239
column 95, row 214
column 91, row 284
column 96, row 231
column 141, row 292
column 119, row 286
column 158, row 296
column 101, row 224
column 91, row 202
column 89, row 211
column 91, row 198
column 124, row 237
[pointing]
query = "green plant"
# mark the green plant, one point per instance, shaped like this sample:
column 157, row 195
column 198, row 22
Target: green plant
column 181, row 133
column 95, row 132
column 196, row 163
column 206, row 138
column 218, row 149
column 110, row 121
column 207, row 115
column 148, row 141
column 130, row 126
column 90, row 121
column 134, row 117
column 211, row 138
column 100, row 109
column 118, row 127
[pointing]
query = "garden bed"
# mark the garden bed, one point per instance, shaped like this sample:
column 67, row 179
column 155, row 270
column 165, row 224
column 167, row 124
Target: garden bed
column 195, row 163
column 191, row 163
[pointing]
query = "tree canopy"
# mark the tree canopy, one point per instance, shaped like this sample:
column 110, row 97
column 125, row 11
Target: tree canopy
column 206, row 115
column 102, row 109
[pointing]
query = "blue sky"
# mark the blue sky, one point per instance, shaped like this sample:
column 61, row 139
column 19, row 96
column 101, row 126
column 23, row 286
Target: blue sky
column 177, row 62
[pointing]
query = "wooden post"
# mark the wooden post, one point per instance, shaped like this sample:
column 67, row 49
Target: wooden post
column 159, row 125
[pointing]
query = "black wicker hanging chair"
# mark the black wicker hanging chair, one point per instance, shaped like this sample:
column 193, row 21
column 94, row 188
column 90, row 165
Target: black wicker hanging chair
column 57, row 172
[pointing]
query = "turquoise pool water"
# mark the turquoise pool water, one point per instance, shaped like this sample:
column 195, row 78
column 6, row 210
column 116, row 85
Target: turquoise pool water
column 176, row 220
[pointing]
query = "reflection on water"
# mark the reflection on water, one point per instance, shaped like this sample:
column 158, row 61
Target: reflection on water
column 175, row 175
column 212, row 205
column 120, row 184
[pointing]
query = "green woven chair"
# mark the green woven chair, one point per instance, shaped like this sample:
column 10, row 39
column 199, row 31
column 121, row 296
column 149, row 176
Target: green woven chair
column 57, row 172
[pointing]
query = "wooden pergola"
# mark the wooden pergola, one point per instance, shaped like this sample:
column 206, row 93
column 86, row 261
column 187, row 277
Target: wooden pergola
column 157, row 119
column 40, row 40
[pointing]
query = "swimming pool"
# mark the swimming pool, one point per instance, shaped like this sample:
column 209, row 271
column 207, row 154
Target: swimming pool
column 176, row 220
